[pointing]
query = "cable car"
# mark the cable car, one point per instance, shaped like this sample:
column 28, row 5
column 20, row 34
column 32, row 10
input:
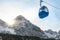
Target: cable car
column 43, row 12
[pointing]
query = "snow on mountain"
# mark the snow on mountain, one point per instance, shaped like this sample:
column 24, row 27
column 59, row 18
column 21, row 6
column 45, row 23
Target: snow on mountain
column 21, row 27
column 50, row 33
column 4, row 28
column 26, row 28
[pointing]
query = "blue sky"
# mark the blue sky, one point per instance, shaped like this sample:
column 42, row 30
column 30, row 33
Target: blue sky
column 9, row 9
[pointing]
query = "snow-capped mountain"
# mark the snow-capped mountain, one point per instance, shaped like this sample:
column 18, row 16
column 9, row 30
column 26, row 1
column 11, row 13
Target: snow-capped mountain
column 50, row 33
column 26, row 28
column 4, row 28
column 21, row 27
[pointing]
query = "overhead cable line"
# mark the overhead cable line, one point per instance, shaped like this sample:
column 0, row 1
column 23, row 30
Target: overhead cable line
column 51, row 5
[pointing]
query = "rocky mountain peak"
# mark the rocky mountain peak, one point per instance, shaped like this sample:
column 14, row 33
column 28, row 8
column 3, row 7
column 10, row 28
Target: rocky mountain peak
column 22, row 27
column 26, row 28
column 20, row 17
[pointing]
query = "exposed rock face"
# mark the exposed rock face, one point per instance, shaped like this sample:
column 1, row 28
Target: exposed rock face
column 26, row 28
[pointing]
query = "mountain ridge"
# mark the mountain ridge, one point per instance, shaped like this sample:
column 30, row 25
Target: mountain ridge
column 26, row 28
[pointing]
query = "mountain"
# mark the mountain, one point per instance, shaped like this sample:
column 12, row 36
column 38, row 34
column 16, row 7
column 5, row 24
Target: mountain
column 25, row 28
column 50, row 33
column 4, row 28
column 2, row 23
column 58, row 35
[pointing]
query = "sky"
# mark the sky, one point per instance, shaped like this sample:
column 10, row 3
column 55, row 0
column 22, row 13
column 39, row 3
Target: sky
column 9, row 9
